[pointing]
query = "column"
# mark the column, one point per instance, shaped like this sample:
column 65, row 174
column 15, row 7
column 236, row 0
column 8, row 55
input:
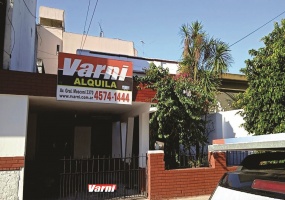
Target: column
column 143, row 137
column 13, row 123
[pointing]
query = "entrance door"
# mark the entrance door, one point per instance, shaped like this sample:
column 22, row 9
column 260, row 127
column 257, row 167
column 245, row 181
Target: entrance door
column 101, row 144
column 55, row 135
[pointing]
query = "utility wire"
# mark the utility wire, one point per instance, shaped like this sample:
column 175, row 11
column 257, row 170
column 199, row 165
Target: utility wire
column 90, row 23
column 13, row 31
column 29, row 9
column 85, row 25
column 257, row 29
column 7, row 53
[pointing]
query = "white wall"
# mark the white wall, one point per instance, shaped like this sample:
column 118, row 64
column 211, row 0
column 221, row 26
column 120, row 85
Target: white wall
column 72, row 42
column 143, row 137
column 20, row 36
column 13, row 123
column 50, row 37
column 51, row 13
column 226, row 125
column 48, row 40
column 8, row 35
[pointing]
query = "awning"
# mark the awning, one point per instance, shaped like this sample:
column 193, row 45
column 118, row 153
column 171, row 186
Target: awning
column 274, row 142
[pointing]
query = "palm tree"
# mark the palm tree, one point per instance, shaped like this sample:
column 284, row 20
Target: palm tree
column 221, row 59
column 193, row 39
column 202, row 53
column 204, row 59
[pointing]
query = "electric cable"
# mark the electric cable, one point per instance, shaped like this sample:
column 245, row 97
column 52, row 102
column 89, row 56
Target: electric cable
column 85, row 25
column 7, row 53
column 13, row 31
column 29, row 9
column 90, row 23
column 257, row 29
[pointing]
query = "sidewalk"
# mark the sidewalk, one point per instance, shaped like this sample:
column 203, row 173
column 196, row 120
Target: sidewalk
column 204, row 197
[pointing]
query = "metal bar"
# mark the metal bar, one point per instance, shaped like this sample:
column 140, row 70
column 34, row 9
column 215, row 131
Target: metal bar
column 131, row 180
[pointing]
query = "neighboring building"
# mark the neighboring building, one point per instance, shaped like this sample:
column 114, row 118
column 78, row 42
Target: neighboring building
column 18, row 35
column 17, row 53
column 53, row 39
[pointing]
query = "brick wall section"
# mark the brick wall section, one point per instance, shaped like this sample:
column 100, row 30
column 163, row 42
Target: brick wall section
column 164, row 184
column 11, row 163
column 25, row 83
column 32, row 84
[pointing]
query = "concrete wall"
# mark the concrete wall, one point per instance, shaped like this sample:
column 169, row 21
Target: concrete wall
column 48, row 40
column 51, row 13
column 13, row 123
column 50, row 37
column 20, row 36
column 73, row 41
column 226, row 125
column 9, row 184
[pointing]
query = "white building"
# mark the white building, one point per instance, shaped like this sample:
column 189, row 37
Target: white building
column 53, row 39
column 19, row 31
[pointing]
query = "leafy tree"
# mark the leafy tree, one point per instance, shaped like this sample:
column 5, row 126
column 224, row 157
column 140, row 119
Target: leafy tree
column 264, row 100
column 181, row 105
column 185, row 99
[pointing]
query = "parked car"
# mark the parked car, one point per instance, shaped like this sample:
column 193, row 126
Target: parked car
column 260, row 176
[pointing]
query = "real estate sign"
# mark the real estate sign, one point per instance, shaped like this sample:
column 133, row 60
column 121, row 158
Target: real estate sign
column 94, row 79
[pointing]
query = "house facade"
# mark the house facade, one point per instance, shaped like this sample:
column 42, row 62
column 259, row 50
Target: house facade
column 37, row 127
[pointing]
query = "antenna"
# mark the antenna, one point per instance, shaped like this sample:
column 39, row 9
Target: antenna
column 142, row 46
column 101, row 30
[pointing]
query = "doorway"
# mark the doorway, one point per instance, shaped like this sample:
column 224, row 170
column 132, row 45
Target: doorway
column 55, row 141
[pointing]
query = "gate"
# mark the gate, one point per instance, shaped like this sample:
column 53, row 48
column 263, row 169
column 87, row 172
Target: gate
column 126, row 173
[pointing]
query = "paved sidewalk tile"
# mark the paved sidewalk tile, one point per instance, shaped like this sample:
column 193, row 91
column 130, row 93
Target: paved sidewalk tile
column 203, row 197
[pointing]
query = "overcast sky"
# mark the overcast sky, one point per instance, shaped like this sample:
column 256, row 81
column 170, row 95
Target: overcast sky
column 154, row 25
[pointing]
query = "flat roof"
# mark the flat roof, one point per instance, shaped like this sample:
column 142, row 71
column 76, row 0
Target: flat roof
column 261, row 142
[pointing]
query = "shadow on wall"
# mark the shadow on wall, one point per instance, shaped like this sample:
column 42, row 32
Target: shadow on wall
column 228, row 131
column 226, row 125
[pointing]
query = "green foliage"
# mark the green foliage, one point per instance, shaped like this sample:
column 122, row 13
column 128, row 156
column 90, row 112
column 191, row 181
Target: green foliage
column 202, row 53
column 185, row 100
column 263, row 102
column 181, row 105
